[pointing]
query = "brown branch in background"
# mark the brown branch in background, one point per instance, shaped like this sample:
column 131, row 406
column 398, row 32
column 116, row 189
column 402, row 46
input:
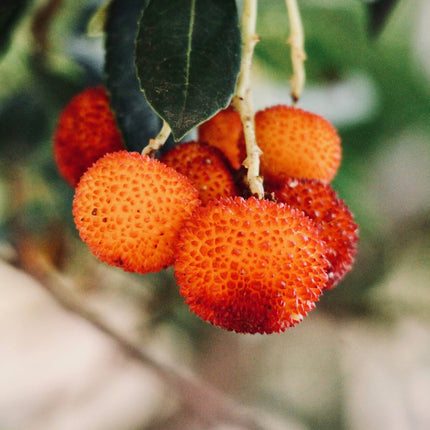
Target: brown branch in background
column 207, row 403
column 41, row 24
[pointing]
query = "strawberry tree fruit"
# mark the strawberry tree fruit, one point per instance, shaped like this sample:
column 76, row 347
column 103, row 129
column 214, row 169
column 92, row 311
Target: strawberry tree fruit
column 86, row 130
column 224, row 131
column 129, row 209
column 296, row 143
column 333, row 218
column 251, row 266
column 205, row 166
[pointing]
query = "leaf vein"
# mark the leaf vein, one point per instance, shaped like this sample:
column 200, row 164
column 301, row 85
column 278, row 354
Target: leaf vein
column 189, row 49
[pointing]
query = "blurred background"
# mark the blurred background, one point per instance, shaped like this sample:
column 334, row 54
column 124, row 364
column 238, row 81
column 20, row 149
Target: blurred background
column 360, row 360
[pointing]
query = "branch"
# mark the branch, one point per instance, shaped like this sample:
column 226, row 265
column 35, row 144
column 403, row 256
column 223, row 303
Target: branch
column 206, row 402
column 41, row 25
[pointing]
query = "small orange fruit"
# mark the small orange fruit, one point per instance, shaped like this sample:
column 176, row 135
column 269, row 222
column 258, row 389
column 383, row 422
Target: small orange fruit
column 334, row 220
column 252, row 266
column 86, row 130
column 224, row 131
column 129, row 209
column 296, row 143
column 206, row 168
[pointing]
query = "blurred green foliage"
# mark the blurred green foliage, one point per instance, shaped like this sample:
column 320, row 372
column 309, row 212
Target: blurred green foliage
column 10, row 12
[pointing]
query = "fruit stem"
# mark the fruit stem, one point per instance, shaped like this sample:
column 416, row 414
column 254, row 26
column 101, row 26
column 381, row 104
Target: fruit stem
column 156, row 143
column 242, row 98
column 298, row 54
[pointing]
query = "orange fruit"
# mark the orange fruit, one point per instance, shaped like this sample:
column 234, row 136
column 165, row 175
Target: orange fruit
column 252, row 266
column 334, row 220
column 224, row 131
column 296, row 143
column 206, row 168
column 129, row 209
column 86, row 130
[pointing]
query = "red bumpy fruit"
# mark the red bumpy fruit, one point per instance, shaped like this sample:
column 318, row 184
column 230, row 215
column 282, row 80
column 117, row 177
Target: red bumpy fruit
column 85, row 132
column 224, row 131
column 334, row 220
column 252, row 266
column 296, row 143
column 129, row 210
column 206, row 168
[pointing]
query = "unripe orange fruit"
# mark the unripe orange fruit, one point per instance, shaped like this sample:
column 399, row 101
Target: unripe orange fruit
column 334, row 220
column 206, row 168
column 296, row 143
column 224, row 131
column 86, row 130
column 252, row 266
column 129, row 209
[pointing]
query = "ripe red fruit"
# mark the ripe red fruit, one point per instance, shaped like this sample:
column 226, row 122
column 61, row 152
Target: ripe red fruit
column 224, row 131
column 86, row 130
column 206, row 168
column 334, row 220
column 296, row 143
column 129, row 209
column 252, row 266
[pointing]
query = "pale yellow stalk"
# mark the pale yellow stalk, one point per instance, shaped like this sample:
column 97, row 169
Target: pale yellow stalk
column 298, row 55
column 242, row 98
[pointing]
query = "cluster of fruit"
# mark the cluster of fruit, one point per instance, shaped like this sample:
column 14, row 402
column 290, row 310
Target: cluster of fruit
column 244, row 264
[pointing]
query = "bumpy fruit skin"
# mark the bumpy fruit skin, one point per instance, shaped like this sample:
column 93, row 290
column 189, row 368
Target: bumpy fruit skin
column 129, row 210
column 224, row 131
column 86, row 130
column 334, row 220
column 296, row 143
column 206, row 168
column 252, row 266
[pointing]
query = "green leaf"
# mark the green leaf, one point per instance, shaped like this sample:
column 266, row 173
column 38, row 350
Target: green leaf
column 136, row 120
column 10, row 11
column 188, row 59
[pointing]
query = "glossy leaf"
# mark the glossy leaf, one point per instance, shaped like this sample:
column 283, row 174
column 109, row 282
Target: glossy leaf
column 136, row 120
column 188, row 59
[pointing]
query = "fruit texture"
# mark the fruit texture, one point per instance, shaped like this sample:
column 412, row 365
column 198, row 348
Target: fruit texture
column 129, row 209
column 252, row 266
column 296, row 143
column 224, row 131
column 334, row 220
column 206, row 168
column 86, row 130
